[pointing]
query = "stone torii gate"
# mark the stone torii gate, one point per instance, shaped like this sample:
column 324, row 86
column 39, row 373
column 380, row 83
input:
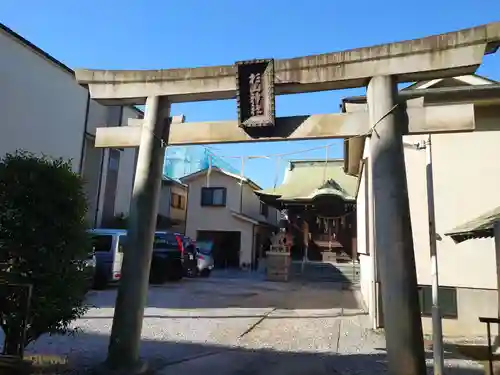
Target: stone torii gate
column 388, row 117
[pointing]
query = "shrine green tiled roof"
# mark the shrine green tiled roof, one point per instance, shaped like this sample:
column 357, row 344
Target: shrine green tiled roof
column 479, row 227
column 309, row 179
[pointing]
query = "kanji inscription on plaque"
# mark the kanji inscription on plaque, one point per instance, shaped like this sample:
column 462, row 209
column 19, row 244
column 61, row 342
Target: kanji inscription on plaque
column 255, row 93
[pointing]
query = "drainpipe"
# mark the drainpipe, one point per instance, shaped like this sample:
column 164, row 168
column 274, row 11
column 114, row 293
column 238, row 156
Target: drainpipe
column 496, row 231
column 241, row 184
column 252, row 259
column 99, row 186
column 84, row 138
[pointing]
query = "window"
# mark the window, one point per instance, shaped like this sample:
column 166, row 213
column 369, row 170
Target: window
column 264, row 209
column 215, row 196
column 447, row 301
column 102, row 243
column 165, row 241
column 177, row 201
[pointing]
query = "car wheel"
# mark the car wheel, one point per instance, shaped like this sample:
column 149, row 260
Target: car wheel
column 205, row 273
column 156, row 279
column 175, row 272
column 192, row 272
column 100, row 282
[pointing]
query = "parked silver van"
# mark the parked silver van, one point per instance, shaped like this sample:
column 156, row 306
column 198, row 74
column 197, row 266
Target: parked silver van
column 108, row 247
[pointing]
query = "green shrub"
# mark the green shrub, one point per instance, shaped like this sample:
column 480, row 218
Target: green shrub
column 44, row 242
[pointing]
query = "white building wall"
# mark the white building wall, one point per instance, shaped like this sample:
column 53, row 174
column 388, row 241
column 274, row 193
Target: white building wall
column 43, row 109
column 466, row 184
column 365, row 260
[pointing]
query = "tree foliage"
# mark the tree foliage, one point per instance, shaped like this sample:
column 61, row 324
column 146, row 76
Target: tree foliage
column 43, row 242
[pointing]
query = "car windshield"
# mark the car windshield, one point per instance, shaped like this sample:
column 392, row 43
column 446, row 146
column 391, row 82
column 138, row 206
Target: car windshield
column 165, row 241
column 205, row 247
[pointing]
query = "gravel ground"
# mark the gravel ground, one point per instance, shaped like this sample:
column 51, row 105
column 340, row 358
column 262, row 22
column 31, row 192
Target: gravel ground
column 240, row 326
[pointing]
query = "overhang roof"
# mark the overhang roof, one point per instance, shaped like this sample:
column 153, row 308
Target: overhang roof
column 203, row 172
column 167, row 181
column 470, row 79
column 306, row 180
column 479, row 227
column 250, row 219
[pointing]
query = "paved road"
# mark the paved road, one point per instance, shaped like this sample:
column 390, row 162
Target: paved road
column 238, row 326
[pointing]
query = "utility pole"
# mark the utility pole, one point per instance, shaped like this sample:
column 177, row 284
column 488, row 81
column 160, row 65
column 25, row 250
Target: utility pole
column 437, row 329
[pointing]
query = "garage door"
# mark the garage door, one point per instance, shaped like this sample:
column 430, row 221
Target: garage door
column 226, row 249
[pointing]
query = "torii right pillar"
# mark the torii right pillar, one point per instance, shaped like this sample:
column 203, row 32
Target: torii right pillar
column 392, row 230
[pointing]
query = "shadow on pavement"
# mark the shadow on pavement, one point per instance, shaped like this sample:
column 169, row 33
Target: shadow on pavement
column 169, row 357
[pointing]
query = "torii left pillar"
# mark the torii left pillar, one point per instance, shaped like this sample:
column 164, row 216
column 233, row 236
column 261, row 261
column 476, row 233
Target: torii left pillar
column 123, row 352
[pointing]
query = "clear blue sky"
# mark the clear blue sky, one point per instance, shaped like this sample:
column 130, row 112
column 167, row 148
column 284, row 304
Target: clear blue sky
column 153, row 34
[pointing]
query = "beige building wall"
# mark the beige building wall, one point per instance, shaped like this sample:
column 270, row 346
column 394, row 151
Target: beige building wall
column 221, row 218
column 164, row 205
column 174, row 213
column 177, row 213
column 251, row 206
column 466, row 184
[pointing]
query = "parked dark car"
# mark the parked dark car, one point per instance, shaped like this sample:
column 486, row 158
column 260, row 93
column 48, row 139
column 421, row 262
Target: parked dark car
column 167, row 260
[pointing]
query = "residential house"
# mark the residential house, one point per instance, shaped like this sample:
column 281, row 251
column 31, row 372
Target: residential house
column 223, row 208
column 466, row 176
column 173, row 206
column 45, row 111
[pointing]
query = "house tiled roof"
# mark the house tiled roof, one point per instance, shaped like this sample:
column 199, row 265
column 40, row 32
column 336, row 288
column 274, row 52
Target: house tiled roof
column 306, row 180
column 480, row 227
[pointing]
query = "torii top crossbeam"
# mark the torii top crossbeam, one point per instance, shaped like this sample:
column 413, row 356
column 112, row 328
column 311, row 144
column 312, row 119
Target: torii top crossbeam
column 451, row 54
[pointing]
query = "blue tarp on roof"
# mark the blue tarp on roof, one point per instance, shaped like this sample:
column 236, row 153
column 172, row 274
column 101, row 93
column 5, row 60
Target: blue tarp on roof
column 181, row 161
